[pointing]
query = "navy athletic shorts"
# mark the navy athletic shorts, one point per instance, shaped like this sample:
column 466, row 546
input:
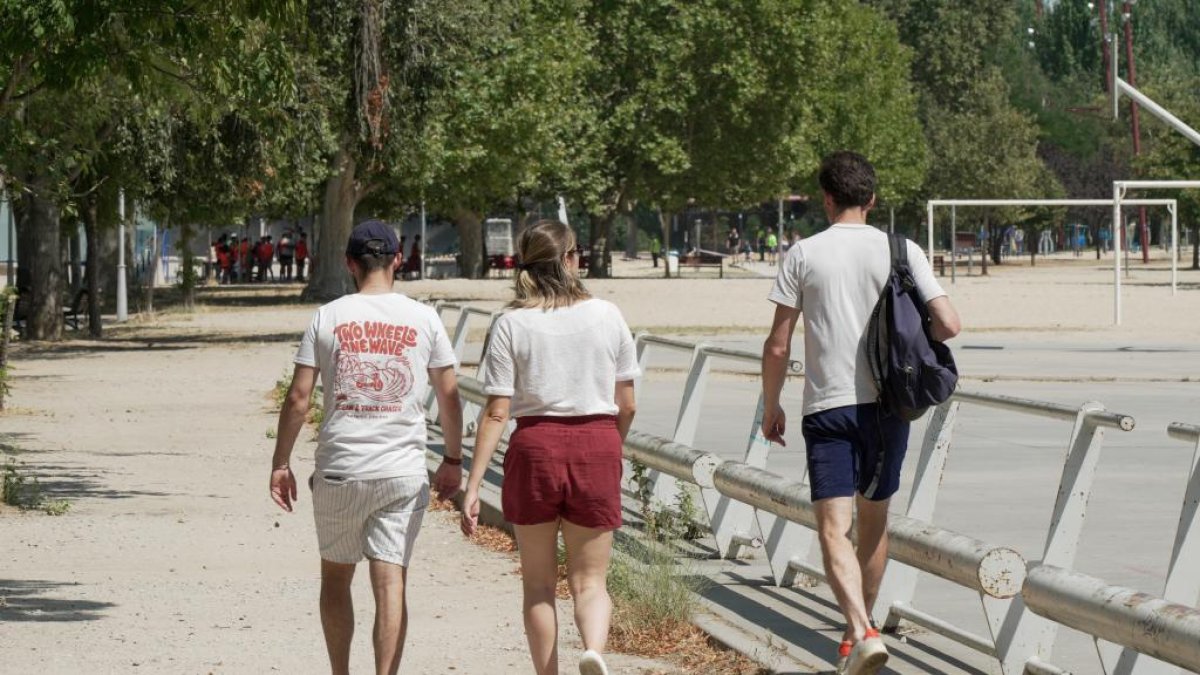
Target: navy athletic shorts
column 854, row 449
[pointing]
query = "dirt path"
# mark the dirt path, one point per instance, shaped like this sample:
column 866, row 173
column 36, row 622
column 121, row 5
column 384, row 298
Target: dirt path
column 171, row 558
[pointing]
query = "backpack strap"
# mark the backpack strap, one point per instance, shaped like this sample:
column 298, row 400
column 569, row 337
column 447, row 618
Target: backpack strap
column 898, row 244
column 899, row 247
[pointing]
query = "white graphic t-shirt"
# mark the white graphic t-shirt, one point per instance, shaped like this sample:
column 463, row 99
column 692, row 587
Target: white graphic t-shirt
column 562, row 362
column 835, row 279
column 373, row 352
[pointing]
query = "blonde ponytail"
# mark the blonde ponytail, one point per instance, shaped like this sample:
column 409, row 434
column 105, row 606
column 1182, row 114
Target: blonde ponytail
column 543, row 278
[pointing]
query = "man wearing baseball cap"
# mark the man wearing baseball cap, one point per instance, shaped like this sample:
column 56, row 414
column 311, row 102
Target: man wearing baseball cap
column 375, row 352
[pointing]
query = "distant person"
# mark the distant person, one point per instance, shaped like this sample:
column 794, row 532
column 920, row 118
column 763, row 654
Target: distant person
column 266, row 255
column 225, row 257
column 286, row 253
column 655, row 249
column 370, row 488
column 854, row 448
column 760, row 242
column 301, row 256
column 413, row 263
column 733, row 244
column 245, row 260
column 562, row 363
column 772, row 246
column 403, row 267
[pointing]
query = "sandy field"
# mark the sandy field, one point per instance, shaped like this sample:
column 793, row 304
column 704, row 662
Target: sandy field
column 1059, row 298
column 171, row 558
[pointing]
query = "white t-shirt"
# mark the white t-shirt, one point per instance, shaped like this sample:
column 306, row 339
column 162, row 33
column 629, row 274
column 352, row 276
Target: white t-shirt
column 374, row 352
column 835, row 279
column 562, row 362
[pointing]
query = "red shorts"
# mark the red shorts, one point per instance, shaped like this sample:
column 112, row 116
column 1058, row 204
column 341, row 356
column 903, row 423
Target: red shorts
column 564, row 467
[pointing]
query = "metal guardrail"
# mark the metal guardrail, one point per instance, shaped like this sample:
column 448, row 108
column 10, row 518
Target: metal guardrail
column 1152, row 626
column 1017, row 635
column 1056, row 411
column 995, row 571
column 740, row 495
column 1182, row 586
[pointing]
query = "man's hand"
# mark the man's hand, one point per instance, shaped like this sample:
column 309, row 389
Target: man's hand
column 774, row 424
column 283, row 488
column 447, row 479
column 470, row 513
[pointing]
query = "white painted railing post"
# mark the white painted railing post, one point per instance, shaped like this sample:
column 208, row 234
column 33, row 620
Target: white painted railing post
column 666, row 489
column 733, row 523
column 1021, row 635
column 1183, row 573
column 900, row 581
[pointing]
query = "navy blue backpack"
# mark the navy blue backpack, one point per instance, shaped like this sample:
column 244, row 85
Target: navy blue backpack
column 912, row 371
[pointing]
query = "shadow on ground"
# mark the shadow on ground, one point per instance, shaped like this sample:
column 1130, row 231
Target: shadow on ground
column 61, row 481
column 29, row 600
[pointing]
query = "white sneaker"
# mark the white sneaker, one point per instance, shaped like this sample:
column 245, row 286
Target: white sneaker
column 868, row 655
column 592, row 663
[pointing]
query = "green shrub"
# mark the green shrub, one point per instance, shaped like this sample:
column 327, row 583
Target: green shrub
column 20, row 491
column 652, row 591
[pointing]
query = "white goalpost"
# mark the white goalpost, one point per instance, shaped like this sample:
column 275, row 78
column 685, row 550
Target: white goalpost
column 1116, row 203
column 1119, row 188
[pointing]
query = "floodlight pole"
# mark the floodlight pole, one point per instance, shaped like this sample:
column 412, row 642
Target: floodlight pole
column 122, row 293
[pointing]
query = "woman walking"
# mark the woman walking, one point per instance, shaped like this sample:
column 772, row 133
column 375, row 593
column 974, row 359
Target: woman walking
column 562, row 364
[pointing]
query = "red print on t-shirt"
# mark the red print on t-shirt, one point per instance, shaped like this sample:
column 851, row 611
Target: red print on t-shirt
column 374, row 373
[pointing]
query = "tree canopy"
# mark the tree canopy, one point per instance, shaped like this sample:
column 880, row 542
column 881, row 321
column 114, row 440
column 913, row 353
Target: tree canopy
column 216, row 112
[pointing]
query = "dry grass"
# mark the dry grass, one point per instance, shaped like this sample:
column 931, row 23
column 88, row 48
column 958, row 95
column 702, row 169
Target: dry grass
column 685, row 646
column 678, row 642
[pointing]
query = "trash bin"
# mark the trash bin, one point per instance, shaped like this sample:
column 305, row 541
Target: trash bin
column 673, row 263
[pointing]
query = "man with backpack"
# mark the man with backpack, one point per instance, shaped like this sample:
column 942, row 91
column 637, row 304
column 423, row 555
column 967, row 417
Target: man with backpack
column 855, row 441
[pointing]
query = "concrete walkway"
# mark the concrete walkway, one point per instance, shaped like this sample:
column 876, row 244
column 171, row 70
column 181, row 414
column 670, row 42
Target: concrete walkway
column 172, row 558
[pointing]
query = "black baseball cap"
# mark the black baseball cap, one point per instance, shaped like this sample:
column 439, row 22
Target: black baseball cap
column 372, row 237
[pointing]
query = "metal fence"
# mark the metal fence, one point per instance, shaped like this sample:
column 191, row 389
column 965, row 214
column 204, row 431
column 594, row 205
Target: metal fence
column 749, row 506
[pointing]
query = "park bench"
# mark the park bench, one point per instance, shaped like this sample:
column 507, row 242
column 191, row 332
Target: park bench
column 704, row 259
column 73, row 313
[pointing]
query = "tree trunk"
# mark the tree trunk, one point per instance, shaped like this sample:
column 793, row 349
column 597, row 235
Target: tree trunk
column 329, row 278
column 470, row 243
column 664, row 221
column 94, row 265
column 42, row 256
column 598, row 267
column 1196, row 246
column 631, row 235
column 987, row 235
column 10, row 306
column 187, row 274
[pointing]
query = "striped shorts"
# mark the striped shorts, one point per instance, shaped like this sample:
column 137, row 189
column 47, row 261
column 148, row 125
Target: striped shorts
column 378, row 518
